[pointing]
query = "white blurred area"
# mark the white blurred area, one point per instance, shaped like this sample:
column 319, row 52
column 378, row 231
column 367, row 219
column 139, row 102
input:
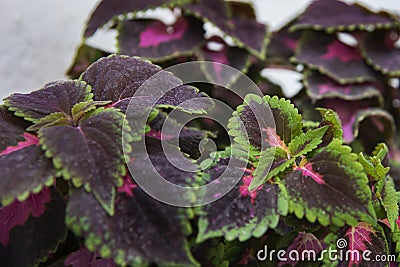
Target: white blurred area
column 38, row 38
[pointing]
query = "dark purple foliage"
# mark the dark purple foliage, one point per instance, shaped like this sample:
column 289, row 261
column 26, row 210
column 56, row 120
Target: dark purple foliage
column 320, row 87
column 303, row 242
column 325, row 53
column 56, row 97
column 18, row 212
column 351, row 113
column 245, row 31
column 241, row 213
column 283, row 44
column 97, row 140
column 332, row 184
column 154, row 40
column 227, row 55
column 76, row 154
column 189, row 137
column 31, row 242
column 380, row 50
column 85, row 258
column 320, row 16
column 118, row 78
column 137, row 232
column 107, row 9
column 12, row 129
column 25, row 169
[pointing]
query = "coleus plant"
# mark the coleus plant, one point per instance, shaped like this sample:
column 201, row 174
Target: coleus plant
column 67, row 198
column 357, row 78
column 65, row 182
column 236, row 38
column 350, row 63
column 184, row 37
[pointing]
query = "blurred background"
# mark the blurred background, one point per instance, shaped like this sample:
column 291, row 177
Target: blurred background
column 38, row 38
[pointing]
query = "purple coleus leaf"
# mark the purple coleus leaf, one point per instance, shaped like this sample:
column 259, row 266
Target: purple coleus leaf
column 30, row 140
column 56, row 97
column 155, row 162
column 373, row 126
column 227, row 55
column 217, row 12
column 393, row 93
column 12, row 128
column 156, row 41
column 97, row 139
column 143, row 229
column 157, row 33
column 380, row 51
column 84, row 258
column 242, row 9
column 188, row 140
column 319, row 86
column 287, row 121
column 345, row 18
column 245, row 32
column 84, row 57
column 18, row 212
column 108, row 9
column 306, row 107
column 24, row 169
column 249, row 34
column 241, row 213
column 283, row 44
column 262, row 130
column 118, row 78
column 161, row 163
column 362, row 121
column 45, row 228
column 333, row 175
column 303, row 242
column 325, row 53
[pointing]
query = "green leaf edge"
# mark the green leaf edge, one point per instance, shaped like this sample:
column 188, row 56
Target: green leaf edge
column 20, row 113
column 258, row 54
column 252, row 228
column 369, row 92
column 343, row 81
column 77, row 181
column 94, row 243
column 339, row 219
